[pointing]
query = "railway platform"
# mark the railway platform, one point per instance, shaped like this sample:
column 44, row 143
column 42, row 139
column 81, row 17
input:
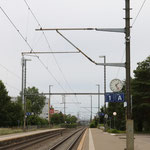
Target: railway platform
column 50, row 139
column 10, row 137
column 96, row 139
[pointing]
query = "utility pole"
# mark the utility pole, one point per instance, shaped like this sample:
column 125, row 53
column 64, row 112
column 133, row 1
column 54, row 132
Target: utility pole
column 129, row 123
column 98, row 103
column 22, row 83
column 49, row 104
column 104, row 80
column 91, row 109
column 24, row 70
column 105, row 121
column 64, row 101
column 23, row 90
column 98, row 98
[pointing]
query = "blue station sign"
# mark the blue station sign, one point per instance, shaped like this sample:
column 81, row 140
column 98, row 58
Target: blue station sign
column 114, row 97
column 28, row 113
column 101, row 114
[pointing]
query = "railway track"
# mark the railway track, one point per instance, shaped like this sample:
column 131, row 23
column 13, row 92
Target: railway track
column 65, row 142
column 69, row 142
column 27, row 142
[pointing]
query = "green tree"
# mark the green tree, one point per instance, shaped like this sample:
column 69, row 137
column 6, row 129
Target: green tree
column 70, row 119
column 15, row 113
column 57, row 118
column 36, row 120
column 101, row 118
column 73, row 119
column 141, row 96
column 35, row 102
column 94, row 123
column 11, row 113
column 119, row 119
column 4, row 105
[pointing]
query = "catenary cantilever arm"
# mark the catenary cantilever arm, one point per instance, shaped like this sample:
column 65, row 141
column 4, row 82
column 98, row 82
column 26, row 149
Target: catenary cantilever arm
column 76, row 47
column 106, row 64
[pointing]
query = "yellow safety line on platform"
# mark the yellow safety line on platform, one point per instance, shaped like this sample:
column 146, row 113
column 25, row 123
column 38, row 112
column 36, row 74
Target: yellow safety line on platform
column 82, row 141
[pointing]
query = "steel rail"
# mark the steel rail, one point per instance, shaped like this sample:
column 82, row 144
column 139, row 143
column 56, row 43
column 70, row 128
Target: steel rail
column 76, row 139
column 38, row 140
column 64, row 140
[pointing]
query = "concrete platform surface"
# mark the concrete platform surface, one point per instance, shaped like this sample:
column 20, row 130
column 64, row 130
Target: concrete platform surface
column 24, row 134
column 96, row 139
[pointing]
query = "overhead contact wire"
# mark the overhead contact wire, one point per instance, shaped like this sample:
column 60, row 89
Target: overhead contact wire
column 16, row 29
column 12, row 87
column 49, row 46
column 31, row 47
column 138, row 12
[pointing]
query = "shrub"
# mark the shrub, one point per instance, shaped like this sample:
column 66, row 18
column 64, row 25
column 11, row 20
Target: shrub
column 66, row 125
column 112, row 131
column 92, row 125
column 115, row 131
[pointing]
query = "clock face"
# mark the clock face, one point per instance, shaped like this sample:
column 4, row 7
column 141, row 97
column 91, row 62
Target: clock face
column 116, row 85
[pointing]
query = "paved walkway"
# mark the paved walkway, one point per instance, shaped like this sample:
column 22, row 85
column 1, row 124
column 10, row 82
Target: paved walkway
column 96, row 139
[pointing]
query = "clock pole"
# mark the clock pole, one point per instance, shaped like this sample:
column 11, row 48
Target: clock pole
column 129, row 123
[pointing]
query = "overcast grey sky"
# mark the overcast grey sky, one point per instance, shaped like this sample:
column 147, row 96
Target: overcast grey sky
column 81, row 74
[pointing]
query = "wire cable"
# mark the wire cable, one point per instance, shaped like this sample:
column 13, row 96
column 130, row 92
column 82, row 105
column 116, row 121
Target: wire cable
column 27, row 25
column 18, row 77
column 76, row 47
column 51, row 74
column 89, row 110
column 12, row 86
column 14, row 74
column 31, row 48
column 138, row 12
column 16, row 28
column 57, row 63
column 132, row 26
column 49, row 46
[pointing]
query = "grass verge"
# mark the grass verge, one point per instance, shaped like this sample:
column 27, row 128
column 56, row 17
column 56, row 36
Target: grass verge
column 115, row 131
column 4, row 131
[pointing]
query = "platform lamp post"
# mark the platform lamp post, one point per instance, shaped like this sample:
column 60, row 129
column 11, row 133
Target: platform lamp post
column 114, row 114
